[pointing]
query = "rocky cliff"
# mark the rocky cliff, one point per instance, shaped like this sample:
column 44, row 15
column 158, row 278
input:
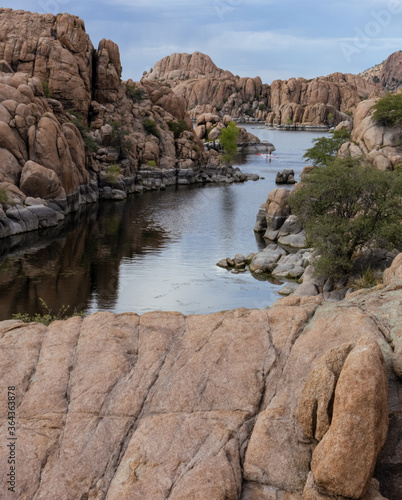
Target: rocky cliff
column 289, row 402
column 72, row 132
column 381, row 146
column 388, row 73
column 206, row 88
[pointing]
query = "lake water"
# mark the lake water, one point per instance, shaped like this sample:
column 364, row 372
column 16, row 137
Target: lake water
column 156, row 251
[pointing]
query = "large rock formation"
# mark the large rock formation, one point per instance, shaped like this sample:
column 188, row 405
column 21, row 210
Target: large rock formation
column 208, row 89
column 234, row 405
column 71, row 131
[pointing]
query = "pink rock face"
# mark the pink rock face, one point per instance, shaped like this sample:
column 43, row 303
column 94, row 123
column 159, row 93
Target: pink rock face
column 162, row 405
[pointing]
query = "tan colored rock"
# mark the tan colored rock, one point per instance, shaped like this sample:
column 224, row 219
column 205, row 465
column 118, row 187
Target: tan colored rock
column 10, row 169
column 108, row 71
column 343, row 462
column 56, row 49
column 393, row 275
column 37, row 180
column 315, row 407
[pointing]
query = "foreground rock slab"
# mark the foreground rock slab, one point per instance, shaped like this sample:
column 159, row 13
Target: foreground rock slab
column 167, row 406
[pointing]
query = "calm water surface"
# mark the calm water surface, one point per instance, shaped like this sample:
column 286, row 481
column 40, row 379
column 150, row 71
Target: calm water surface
column 156, row 251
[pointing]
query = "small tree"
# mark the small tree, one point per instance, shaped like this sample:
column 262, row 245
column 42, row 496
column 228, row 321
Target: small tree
column 228, row 140
column 325, row 148
column 388, row 110
column 345, row 207
column 177, row 127
column 119, row 140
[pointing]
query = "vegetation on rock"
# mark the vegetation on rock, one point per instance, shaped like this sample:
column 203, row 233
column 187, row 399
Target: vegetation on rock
column 112, row 173
column 48, row 317
column 3, row 196
column 345, row 207
column 228, row 140
column 134, row 93
column 388, row 110
column 151, row 127
column 45, row 87
column 177, row 127
column 119, row 140
column 90, row 144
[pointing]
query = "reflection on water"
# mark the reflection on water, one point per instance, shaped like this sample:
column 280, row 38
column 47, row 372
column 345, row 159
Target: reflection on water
column 157, row 250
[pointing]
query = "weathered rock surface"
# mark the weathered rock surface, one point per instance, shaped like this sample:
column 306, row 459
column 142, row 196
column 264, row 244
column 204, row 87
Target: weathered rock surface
column 163, row 405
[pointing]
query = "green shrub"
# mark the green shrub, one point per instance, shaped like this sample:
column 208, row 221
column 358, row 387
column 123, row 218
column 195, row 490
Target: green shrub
column 45, row 87
column 151, row 127
column 388, row 110
column 349, row 113
column 398, row 168
column 262, row 107
column 345, row 207
column 228, row 140
column 3, row 196
column 134, row 93
column 151, row 163
column 48, row 317
column 289, row 121
column 112, row 173
column 177, row 127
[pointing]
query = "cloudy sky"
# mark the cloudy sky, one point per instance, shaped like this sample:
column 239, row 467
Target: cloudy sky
column 270, row 38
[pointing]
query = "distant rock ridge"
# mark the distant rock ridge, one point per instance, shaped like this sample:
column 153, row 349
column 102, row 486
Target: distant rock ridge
column 208, row 89
column 388, row 73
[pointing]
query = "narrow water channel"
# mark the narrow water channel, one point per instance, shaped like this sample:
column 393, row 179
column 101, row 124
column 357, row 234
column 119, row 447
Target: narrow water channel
column 156, row 251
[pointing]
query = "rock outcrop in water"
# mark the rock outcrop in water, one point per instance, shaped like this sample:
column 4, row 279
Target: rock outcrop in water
column 72, row 132
column 208, row 89
column 288, row 402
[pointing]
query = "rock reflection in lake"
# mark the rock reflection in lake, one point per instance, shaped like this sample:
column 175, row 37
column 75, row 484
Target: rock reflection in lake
column 65, row 265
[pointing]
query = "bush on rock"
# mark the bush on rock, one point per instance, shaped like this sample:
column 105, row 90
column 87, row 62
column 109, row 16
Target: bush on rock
column 347, row 206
